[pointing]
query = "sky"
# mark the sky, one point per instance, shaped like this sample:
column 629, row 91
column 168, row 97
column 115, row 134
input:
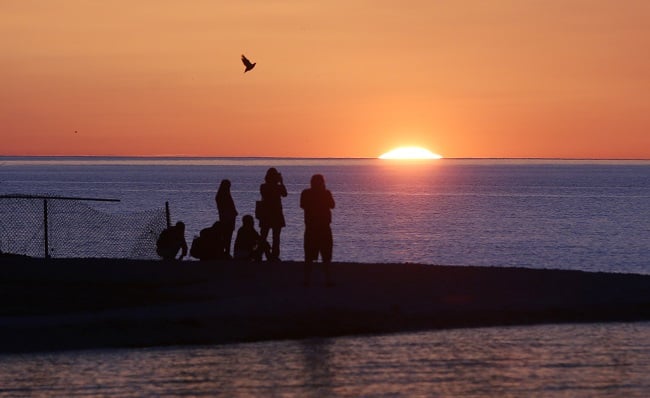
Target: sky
column 336, row 78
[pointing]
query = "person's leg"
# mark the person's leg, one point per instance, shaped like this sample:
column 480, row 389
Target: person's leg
column 266, row 249
column 227, row 240
column 311, row 253
column 264, row 233
column 275, row 248
column 169, row 253
column 326, row 246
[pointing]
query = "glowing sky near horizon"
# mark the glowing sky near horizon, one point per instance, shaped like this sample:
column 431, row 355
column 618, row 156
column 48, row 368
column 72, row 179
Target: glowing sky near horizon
column 467, row 78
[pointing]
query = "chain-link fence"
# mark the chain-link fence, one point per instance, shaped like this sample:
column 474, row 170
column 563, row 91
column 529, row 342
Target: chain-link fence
column 42, row 226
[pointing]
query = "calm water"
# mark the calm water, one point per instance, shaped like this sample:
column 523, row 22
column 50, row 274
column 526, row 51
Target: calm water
column 599, row 360
column 588, row 215
column 544, row 214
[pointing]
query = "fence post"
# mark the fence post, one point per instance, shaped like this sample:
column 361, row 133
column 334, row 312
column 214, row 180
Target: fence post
column 45, row 230
column 169, row 221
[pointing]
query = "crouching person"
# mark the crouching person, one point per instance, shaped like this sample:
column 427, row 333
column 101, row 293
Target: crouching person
column 210, row 244
column 171, row 241
column 249, row 245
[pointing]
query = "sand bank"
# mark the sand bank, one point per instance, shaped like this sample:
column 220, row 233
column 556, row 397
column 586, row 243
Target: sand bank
column 101, row 303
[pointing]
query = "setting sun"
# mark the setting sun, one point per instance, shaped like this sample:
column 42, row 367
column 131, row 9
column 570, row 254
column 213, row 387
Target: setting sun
column 410, row 152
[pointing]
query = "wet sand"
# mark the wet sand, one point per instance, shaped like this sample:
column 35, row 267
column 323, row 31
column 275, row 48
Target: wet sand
column 102, row 303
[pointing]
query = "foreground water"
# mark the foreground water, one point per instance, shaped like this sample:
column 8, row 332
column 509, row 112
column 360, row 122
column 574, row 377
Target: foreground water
column 596, row 360
column 587, row 215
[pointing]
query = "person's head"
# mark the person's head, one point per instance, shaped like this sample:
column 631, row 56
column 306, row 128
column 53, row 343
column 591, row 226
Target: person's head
column 272, row 176
column 224, row 187
column 180, row 226
column 318, row 181
column 248, row 221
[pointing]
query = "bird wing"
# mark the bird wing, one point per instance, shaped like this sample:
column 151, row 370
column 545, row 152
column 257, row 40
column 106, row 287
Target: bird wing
column 246, row 62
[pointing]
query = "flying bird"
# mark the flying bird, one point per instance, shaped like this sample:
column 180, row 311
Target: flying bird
column 248, row 64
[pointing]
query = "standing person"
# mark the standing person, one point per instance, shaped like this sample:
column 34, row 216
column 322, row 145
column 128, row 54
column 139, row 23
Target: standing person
column 170, row 241
column 317, row 203
column 272, row 190
column 227, row 214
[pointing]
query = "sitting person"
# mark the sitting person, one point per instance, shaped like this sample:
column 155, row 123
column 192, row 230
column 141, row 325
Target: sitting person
column 170, row 241
column 249, row 245
column 210, row 244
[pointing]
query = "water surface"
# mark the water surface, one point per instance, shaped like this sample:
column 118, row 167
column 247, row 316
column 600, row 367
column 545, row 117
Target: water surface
column 587, row 215
column 590, row 360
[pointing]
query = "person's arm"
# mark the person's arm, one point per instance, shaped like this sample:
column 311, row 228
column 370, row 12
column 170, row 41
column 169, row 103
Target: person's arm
column 283, row 189
column 330, row 200
column 183, row 249
column 302, row 200
column 263, row 191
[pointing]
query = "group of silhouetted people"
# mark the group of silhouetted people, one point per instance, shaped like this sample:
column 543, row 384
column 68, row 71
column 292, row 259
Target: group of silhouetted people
column 214, row 242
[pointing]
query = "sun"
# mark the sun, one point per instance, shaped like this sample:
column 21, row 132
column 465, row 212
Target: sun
column 410, row 152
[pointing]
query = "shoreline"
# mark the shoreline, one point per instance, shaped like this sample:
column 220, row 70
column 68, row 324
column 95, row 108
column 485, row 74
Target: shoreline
column 65, row 304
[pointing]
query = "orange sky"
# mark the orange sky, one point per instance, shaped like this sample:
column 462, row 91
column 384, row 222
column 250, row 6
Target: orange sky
column 463, row 78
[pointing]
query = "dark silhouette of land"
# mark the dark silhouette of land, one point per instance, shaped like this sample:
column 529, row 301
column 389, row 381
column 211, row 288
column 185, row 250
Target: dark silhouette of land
column 102, row 303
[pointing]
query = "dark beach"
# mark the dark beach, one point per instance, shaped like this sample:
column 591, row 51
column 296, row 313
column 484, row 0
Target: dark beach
column 107, row 303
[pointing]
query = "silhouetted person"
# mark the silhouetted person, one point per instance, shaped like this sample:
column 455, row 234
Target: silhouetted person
column 317, row 203
column 210, row 244
column 227, row 213
column 249, row 245
column 170, row 241
column 272, row 190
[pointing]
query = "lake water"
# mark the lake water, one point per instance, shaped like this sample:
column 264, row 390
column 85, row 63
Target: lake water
column 597, row 360
column 586, row 215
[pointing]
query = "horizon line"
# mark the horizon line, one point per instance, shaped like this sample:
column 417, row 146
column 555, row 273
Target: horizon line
column 311, row 158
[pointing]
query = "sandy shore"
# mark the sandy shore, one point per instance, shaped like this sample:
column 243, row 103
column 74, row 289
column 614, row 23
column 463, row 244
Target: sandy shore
column 100, row 303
